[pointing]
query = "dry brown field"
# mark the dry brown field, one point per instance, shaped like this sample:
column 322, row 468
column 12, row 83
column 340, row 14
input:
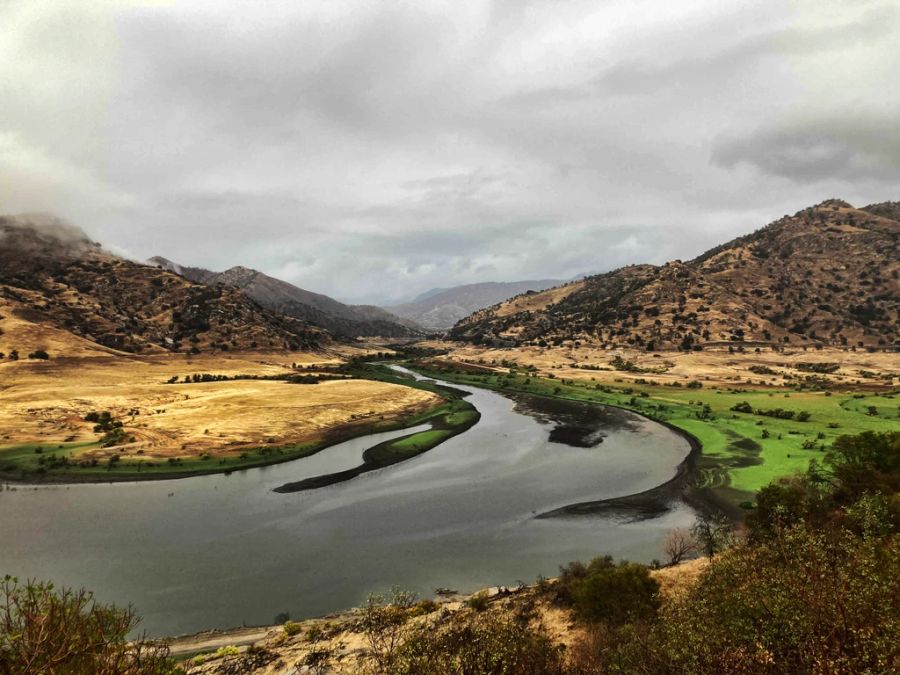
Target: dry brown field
column 714, row 366
column 44, row 402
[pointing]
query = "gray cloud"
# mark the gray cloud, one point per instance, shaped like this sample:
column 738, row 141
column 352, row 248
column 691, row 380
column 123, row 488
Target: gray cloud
column 373, row 150
column 860, row 147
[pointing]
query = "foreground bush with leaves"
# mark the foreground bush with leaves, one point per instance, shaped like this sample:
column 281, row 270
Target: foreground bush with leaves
column 485, row 643
column 44, row 630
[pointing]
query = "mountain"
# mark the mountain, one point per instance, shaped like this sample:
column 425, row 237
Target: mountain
column 53, row 275
column 440, row 308
column 826, row 275
column 279, row 296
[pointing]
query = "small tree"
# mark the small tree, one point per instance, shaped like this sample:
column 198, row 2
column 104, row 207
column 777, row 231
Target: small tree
column 49, row 630
column 678, row 544
column 384, row 623
column 713, row 533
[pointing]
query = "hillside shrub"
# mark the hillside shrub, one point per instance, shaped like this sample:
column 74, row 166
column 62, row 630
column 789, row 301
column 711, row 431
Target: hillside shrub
column 489, row 643
column 609, row 592
column 45, row 630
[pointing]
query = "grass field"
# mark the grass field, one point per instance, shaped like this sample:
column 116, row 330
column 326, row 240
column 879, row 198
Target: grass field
column 168, row 430
column 741, row 451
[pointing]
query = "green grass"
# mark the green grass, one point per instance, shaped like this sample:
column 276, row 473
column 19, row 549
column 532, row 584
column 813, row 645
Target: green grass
column 736, row 459
column 455, row 417
column 423, row 439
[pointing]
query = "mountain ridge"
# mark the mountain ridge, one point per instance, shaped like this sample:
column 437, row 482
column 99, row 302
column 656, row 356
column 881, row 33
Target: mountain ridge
column 826, row 275
column 52, row 274
column 281, row 296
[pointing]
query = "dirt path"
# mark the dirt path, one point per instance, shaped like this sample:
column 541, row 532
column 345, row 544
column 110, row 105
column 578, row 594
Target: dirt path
column 212, row 640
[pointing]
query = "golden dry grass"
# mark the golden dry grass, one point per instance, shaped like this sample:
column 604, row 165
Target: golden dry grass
column 45, row 402
column 537, row 301
column 712, row 366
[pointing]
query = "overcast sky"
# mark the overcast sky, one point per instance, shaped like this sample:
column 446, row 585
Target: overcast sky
column 373, row 150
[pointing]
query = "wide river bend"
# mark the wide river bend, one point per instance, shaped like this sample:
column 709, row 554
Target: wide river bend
column 222, row 551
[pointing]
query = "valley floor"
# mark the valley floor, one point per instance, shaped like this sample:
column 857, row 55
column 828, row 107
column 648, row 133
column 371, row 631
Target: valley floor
column 120, row 417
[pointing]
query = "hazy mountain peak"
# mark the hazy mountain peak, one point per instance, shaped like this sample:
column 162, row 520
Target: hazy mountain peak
column 46, row 231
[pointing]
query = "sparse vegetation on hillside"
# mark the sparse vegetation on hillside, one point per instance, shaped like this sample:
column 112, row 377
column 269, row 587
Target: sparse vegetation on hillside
column 828, row 275
column 75, row 286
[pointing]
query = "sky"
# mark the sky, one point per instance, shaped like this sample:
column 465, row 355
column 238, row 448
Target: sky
column 373, row 150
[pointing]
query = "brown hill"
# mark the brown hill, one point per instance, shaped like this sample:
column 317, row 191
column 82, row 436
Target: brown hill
column 829, row 274
column 280, row 296
column 51, row 274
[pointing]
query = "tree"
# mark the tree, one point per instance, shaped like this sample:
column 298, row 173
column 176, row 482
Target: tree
column 678, row 544
column 44, row 630
column 713, row 533
column 384, row 623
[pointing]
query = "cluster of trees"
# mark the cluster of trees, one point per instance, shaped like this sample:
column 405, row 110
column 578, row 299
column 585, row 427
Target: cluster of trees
column 209, row 377
column 111, row 428
column 779, row 413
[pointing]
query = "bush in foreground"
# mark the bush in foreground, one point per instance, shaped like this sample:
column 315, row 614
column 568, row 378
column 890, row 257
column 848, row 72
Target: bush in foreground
column 486, row 643
column 45, row 630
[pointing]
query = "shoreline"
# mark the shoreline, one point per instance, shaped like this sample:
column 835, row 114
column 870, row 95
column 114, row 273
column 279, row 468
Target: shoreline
column 381, row 456
column 646, row 504
column 328, row 440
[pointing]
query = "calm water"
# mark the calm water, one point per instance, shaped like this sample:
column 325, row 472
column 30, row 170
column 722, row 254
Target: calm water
column 219, row 551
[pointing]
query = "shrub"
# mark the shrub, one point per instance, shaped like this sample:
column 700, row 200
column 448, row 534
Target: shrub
column 39, row 354
column 478, row 602
column 292, row 628
column 743, row 407
column 486, row 644
column 383, row 621
column 605, row 591
column 49, row 630
column 803, row 603
column 617, row 594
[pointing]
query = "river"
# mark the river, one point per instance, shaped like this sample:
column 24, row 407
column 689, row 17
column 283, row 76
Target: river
column 222, row 551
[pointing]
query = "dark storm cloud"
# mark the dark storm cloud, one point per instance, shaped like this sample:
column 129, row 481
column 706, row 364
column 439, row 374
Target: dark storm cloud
column 858, row 147
column 373, row 150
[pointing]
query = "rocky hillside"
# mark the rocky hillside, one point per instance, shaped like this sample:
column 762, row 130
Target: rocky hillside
column 440, row 308
column 336, row 317
column 829, row 274
column 52, row 274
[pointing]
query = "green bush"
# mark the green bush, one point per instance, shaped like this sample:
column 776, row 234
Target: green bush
column 478, row 602
column 488, row 643
column 292, row 628
column 804, row 602
column 605, row 591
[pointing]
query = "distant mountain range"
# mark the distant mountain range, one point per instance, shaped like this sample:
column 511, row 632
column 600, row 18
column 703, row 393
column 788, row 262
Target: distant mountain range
column 829, row 275
column 440, row 308
column 337, row 318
